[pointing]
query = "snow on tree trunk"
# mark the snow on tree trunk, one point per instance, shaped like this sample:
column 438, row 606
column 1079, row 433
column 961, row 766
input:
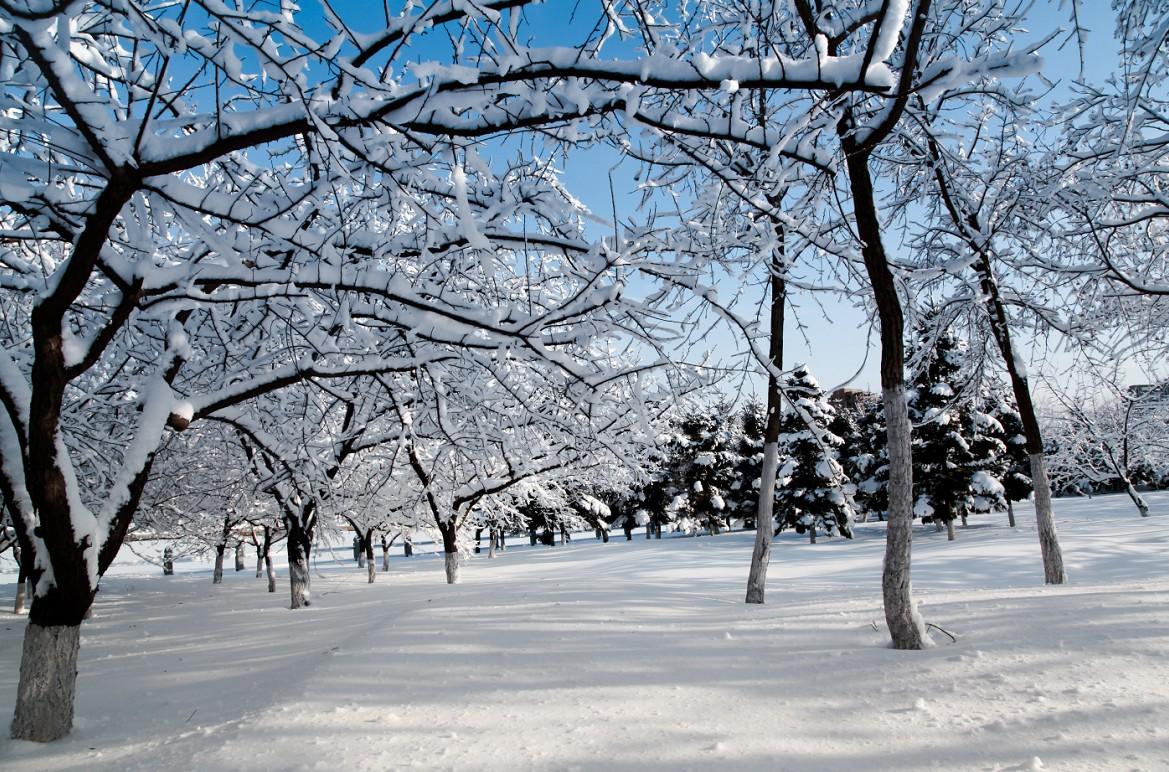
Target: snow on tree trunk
column 452, row 567
column 1010, row 514
column 764, row 512
column 906, row 627
column 491, row 546
column 367, row 551
column 239, row 557
column 1137, row 499
column 1053, row 570
column 271, row 573
column 48, row 682
column 949, row 530
column 299, row 545
column 450, row 547
column 217, row 576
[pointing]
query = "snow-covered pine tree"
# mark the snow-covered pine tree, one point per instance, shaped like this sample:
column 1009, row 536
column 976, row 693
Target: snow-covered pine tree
column 866, row 462
column 816, row 496
column 987, row 439
column 942, row 455
column 1014, row 465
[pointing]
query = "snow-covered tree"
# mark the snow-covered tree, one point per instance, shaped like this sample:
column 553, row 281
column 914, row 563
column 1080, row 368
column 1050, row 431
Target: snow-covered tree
column 815, row 495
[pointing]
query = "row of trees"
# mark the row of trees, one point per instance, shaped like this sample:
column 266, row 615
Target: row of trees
column 335, row 253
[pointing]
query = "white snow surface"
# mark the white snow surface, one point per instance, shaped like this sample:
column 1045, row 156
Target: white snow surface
column 636, row 655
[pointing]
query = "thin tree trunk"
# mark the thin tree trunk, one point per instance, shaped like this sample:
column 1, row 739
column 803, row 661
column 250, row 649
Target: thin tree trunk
column 491, row 546
column 1137, row 499
column 965, row 524
column 949, row 530
column 1010, row 514
column 217, row 576
column 271, row 572
column 906, row 627
column 812, row 534
column 971, row 226
column 259, row 563
column 385, row 557
column 18, row 605
column 239, row 557
column 367, row 550
column 21, row 581
column 48, row 682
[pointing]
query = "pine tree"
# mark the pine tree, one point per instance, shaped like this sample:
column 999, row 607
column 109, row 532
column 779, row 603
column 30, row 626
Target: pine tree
column 942, row 455
column 1014, row 465
column 867, row 463
column 816, row 494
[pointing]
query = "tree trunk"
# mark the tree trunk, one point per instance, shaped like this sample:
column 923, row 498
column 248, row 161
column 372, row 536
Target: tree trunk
column 1137, row 499
column 972, row 228
column 217, row 576
column 385, row 557
column 938, row 524
column 1010, row 514
column 491, row 546
column 259, row 564
column 1053, row 570
column 48, row 682
column 949, row 530
column 812, row 535
column 906, row 627
column 239, row 557
column 370, row 564
column 299, row 549
column 271, row 572
column 450, row 551
column 21, row 581
column 965, row 524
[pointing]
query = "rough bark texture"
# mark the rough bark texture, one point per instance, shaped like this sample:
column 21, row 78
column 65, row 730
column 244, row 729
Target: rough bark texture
column 1053, row 570
column 239, row 557
column 217, row 576
column 271, row 573
column 450, row 547
column 385, row 557
column 48, row 679
column 452, row 567
column 906, row 627
column 371, row 570
column 259, row 564
column 761, row 556
column 298, row 568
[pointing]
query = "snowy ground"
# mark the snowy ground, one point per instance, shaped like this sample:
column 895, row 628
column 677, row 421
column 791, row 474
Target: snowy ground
column 637, row 655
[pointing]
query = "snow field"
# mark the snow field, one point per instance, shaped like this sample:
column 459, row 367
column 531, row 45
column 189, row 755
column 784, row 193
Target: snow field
column 637, row 655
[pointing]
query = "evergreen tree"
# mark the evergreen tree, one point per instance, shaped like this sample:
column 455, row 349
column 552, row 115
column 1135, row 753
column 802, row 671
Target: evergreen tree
column 1014, row 466
column 943, row 458
column 867, row 463
column 816, row 494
